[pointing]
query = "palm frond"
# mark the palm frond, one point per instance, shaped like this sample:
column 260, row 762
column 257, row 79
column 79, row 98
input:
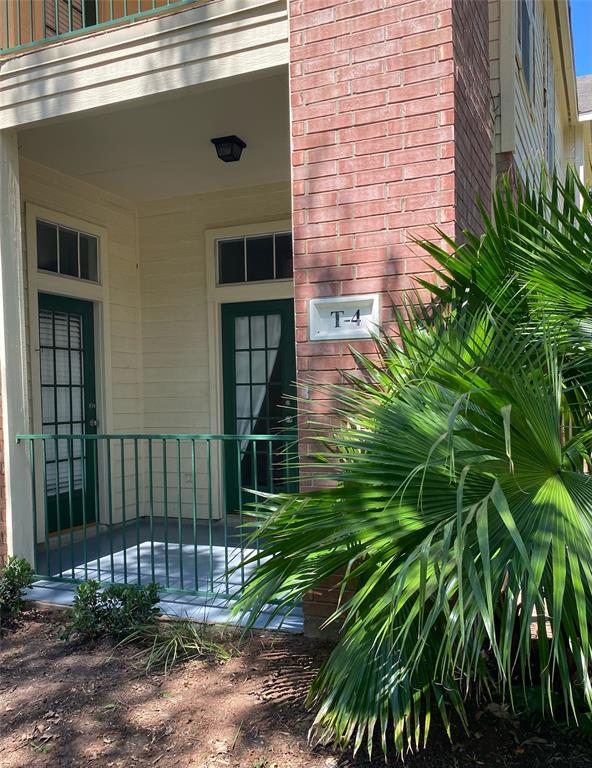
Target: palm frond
column 453, row 499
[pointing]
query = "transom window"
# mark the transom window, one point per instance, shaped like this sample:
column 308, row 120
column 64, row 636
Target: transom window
column 66, row 251
column 256, row 258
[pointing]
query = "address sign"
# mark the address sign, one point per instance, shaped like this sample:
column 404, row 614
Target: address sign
column 344, row 317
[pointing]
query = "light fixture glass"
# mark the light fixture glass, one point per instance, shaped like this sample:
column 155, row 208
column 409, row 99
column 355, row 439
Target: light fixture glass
column 229, row 148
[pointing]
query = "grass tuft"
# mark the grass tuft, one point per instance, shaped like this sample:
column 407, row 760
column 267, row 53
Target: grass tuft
column 166, row 643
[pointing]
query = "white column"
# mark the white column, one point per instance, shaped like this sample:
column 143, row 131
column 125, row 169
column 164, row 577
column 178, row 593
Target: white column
column 13, row 378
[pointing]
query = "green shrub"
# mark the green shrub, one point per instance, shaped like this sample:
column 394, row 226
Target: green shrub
column 114, row 611
column 15, row 576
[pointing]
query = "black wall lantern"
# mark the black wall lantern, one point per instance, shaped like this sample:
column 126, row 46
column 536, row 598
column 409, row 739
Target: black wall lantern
column 229, row 148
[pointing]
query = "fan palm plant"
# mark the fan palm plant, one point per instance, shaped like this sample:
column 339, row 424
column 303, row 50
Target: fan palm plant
column 458, row 507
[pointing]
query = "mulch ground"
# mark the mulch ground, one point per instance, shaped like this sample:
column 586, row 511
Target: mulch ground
column 73, row 706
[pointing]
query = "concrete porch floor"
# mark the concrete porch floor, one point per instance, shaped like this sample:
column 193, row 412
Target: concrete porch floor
column 131, row 555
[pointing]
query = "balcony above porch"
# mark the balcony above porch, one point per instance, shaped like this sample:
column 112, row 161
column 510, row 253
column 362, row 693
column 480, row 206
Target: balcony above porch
column 101, row 53
column 25, row 24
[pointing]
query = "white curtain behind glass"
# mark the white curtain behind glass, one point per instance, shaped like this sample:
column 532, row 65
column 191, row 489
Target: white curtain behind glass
column 250, row 366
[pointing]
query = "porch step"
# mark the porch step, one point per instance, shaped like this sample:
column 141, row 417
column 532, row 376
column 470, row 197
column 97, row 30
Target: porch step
column 177, row 604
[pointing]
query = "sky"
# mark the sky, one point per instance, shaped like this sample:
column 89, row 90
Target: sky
column 581, row 21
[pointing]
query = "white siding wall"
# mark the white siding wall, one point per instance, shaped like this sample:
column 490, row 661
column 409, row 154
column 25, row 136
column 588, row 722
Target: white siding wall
column 494, row 69
column 51, row 190
column 174, row 308
column 528, row 121
column 176, row 375
column 159, row 362
column 54, row 191
column 531, row 124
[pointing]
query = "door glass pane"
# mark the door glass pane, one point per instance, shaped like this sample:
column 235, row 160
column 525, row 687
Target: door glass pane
column 63, row 404
column 76, row 394
column 274, row 324
column 242, row 361
column 258, row 332
column 60, row 324
column 258, row 392
column 47, row 405
column 243, row 407
column 62, row 363
column 45, row 328
column 241, row 333
column 76, row 367
column 47, row 376
column 259, row 372
column 75, row 338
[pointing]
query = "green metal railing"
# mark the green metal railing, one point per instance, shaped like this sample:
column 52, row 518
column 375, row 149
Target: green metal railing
column 138, row 508
column 24, row 23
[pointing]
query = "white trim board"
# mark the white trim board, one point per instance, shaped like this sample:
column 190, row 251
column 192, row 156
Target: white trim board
column 198, row 45
column 13, row 374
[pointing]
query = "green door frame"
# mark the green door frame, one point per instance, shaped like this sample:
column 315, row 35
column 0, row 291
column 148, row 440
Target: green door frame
column 76, row 507
column 235, row 499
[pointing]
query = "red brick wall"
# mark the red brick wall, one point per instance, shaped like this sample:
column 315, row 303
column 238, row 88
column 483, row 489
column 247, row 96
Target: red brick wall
column 379, row 90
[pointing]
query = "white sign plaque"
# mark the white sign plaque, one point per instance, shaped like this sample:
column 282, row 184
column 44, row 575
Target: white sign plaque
column 344, row 317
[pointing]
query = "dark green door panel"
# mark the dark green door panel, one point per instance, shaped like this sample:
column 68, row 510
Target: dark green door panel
column 259, row 373
column 68, row 407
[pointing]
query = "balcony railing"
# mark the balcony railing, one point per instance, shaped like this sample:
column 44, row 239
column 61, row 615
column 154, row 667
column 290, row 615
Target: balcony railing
column 25, row 23
column 170, row 509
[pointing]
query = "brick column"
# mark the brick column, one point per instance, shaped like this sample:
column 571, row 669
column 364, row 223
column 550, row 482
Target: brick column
column 391, row 136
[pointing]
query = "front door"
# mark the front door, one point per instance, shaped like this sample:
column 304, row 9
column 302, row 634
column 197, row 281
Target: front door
column 68, row 407
column 259, row 372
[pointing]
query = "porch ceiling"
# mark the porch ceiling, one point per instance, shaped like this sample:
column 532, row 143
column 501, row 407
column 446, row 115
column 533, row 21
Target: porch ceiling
column 162, row 148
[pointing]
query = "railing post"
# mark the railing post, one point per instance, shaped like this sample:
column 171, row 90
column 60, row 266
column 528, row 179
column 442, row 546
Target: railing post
column 95, row 454
column 151, row 498
column 84, row 511
column 34, row 505
column 57, row 506
column 210, row 521
column 110, row 507
column 45, row 510
column 194, row 515
column 70, row 505
column 137, row 484
column 123, row 505
column 180, row 516
column 165, row 484
column 31, row 29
